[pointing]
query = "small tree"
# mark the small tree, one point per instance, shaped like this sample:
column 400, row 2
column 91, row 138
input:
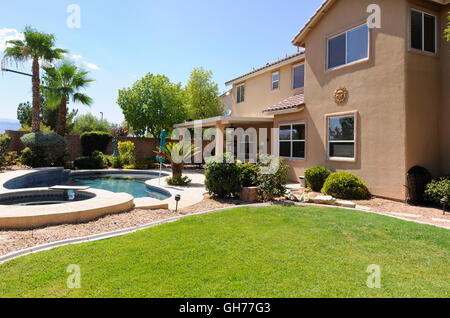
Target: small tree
column 447, row 30
column 62, row 83
column 88, row 122
column 152, row 104
column 202, row 95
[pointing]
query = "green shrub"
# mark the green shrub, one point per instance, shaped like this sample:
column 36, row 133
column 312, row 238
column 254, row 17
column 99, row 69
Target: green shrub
column 315, row 178
column 94, row 141
column 178, row 181
column 116, row 162
column 4, row 145
column 272, row 184
column 127, row 153
column 44, row 149
column 344, row 185
column 222, row 179
column 95, row 161
column 248, row 175
column 437, row 190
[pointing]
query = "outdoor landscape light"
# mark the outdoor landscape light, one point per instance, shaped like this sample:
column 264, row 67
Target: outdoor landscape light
column 177, row 199
column 444, row 202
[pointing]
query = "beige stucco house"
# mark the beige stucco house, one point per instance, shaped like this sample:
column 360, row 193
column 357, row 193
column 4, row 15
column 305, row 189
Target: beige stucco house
column 357, row 98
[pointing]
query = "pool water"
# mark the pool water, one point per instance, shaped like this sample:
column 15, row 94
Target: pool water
column 133, row 184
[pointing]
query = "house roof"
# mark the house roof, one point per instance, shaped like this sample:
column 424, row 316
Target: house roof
column 288, row 103
column 299, row 39
column 280, row 62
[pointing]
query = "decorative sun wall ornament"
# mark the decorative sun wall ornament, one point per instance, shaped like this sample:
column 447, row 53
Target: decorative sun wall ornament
column 340, row 95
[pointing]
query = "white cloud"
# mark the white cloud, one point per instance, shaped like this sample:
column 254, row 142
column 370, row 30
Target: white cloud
column 7, row 34
column 91, row 66
column 76, row 57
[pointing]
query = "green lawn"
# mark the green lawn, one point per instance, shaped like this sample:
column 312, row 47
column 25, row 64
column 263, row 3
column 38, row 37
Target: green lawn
column 248, row 252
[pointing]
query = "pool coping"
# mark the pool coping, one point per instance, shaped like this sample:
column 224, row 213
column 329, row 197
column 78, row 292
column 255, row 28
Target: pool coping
column 103, row 203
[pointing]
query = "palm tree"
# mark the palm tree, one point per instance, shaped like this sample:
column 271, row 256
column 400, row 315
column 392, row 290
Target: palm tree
column 36, row 46
column 61, row 83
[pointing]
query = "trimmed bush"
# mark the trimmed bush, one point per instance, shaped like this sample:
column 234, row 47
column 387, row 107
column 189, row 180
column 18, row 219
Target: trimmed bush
column 316, row 177
column 4, row 145
column 248, row 175
column 127, row 153
column 347, row 186
column 94, row 141
column 222, row 177
column 437, row 190
column 96, row 161
column 273, row 179
column 44, row 149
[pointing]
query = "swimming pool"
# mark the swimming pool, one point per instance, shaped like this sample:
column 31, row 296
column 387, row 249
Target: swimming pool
column 133, row 184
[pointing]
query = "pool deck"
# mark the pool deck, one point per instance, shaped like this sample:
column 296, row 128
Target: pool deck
column 102, row 203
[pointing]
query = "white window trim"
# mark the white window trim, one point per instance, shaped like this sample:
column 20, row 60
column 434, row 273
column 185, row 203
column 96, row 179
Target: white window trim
column 293, row 76
column 423, row 32
column 351, row 159
column 273, row 81
column 237, row 93
column 292, row 140
column 346, row 43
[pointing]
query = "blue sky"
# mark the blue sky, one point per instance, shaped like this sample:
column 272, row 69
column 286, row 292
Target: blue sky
column 120, row 41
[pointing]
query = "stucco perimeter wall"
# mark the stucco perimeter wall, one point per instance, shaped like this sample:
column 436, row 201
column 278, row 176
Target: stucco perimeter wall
column 376, row 91
column 423, row 101
column 444, row 127
column 258, row 93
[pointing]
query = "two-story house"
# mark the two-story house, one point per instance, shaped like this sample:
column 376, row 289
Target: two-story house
column 374, row 101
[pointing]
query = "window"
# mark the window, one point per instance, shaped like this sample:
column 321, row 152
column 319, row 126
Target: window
column 292, row 141
column 275, row 81
column 348, row 47
column 341, row 137
column 423, row 31
column 299, row 76
column 240, row 93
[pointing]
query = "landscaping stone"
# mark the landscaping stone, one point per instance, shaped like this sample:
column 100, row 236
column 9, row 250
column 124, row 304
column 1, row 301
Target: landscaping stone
column 250, row 195
column 325, row 199
column 346, row 204
column 291, row 196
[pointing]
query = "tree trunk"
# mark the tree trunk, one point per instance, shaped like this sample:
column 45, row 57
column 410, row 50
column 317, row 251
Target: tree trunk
column 177, row 169
column 35, row 120
column 62, row 115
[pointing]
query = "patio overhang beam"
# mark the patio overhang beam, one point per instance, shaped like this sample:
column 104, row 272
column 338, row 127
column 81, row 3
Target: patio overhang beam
column 224, row 120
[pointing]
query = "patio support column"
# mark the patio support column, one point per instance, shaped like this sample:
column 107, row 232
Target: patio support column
column 220, row 133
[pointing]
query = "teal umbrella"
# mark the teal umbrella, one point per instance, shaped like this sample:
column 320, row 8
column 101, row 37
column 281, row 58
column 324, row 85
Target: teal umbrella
column 161, row 157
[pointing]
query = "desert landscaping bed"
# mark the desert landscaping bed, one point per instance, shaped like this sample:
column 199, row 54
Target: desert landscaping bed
column 14, row 240
column 11, row 241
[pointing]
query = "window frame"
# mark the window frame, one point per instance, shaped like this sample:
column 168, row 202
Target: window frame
column 436, row 37
column 293, row 76
column 292, row 141
column 353, row 114
column 346, row 31
column 237, row 94
column 277, row 81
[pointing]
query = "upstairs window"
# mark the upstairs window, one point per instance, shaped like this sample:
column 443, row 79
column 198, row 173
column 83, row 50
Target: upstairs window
column 423, row 31
column 240, row 93
column 299, row 76
column 275, row 81
column 348, row 47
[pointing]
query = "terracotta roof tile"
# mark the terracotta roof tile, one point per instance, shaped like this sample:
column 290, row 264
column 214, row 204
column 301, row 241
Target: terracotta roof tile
column 289, row 103
column 267, row 66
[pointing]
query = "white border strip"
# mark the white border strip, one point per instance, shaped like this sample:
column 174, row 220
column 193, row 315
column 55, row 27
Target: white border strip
column 118, row 233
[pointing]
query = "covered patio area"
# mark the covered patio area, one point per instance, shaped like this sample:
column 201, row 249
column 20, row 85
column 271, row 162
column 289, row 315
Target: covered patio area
column 261, row 125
